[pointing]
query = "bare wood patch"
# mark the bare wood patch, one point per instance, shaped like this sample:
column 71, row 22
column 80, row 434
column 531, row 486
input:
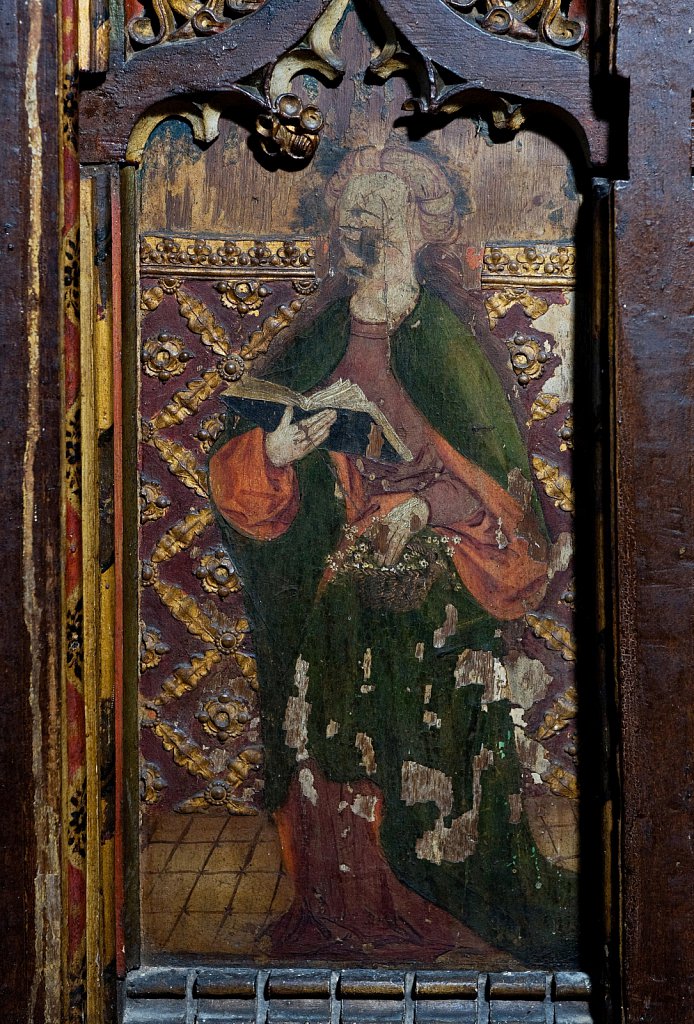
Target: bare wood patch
column 532, row 754
column 481, row 668
column 420, row 784
column 457, row 843
column 448, row 628
column 560, row 554
column 419, row 651
column 298, row 709
column 431, row 719
column 308, row 789
column 528, row 679
column 366, row 664
column 364, row 806
column 364, row 745
column 515, row 806
column 332, row 729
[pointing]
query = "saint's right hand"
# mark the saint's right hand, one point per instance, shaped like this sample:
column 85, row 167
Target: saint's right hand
column 291, row 441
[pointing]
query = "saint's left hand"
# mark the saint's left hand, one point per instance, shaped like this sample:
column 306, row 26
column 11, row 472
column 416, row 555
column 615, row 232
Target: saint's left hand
column 396, row 528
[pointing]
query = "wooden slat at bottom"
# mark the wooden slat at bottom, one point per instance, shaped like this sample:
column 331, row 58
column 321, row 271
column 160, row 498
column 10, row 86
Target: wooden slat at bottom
column 287, row 996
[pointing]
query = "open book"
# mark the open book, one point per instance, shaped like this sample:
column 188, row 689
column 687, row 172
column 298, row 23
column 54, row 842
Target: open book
column 360, row 427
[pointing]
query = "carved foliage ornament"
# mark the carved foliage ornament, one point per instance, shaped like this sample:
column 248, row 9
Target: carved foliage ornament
column 166, row 21
column 533, row 20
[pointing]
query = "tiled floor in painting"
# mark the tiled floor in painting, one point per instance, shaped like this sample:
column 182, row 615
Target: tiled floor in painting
column 211, row 885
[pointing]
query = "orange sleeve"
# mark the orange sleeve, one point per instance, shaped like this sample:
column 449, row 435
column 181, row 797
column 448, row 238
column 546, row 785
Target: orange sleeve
column 493, row 560
column 258, row 499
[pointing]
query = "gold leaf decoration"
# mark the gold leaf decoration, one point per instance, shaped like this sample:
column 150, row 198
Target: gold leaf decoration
column 248, row 668
column 150, row 298
column 152, row 647
column 217, row 574
column 555, row 635
column 201, row 321
column 184, row 751
column 152, row 783
column 566, row 434
column 207, row 623
column 182, row 535
column 259, row 342
column 243, row 765
column 209, row 430
column 217, row 794
column 556, row 485
column 186, row 677
column 561, row 782
column 182, row 464
column 543, row 407
column 527, row 356
column 563, row 710
column 153, row 501
column 186, row 402
column 498, row 304
column 225, row 716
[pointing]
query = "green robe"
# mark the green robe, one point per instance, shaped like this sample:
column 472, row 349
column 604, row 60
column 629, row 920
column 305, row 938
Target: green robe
column 505, row 890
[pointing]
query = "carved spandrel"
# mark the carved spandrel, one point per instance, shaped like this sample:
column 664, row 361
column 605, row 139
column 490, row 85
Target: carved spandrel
column 165, row 21
column 532, row 20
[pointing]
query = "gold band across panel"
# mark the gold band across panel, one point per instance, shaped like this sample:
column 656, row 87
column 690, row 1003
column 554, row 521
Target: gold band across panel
column 529, row 265
column 214, row 258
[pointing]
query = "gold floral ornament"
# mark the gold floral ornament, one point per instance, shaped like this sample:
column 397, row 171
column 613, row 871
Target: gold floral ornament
column 165, row 356
column 152, row 648
column 228, row 792
column 290, row 128
column 556, row 636
column 218, row 794
column 499, row 303
column 151, row 298
column 561, row 782
column 529, row 264
column 246, row 297
column 182, row 534
column 204, row 620
column 557, row 486
column 260, row 340
column 231, row 368
column 187, row 676
column 563, row 710
column 528, row 358
column 224, row 716
column 543, row 407
column 153, row 502
column 566, row 434
column 216, row 573
column 152, row 783
column 209, row 430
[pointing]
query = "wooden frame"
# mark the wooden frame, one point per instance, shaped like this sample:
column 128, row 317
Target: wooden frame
column 643, row 224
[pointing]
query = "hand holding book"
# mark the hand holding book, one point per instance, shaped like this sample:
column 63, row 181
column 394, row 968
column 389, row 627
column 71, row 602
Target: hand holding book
column 339, row 417
column 291, row 441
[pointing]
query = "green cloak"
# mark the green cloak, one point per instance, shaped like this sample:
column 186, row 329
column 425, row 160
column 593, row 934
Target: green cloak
column 505, row 890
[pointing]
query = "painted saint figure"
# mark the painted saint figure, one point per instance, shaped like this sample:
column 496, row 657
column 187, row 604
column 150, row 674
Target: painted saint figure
column 373, row 587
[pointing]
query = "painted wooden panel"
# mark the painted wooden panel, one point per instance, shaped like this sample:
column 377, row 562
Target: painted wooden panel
column 356, row 615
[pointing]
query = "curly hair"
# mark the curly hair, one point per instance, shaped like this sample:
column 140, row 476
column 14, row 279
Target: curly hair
column 428, row 186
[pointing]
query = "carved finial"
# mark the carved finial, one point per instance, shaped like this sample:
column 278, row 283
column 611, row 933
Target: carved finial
column 290, row 128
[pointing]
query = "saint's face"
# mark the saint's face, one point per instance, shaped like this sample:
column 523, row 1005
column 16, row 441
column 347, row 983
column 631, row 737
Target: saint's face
column 372, row 222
